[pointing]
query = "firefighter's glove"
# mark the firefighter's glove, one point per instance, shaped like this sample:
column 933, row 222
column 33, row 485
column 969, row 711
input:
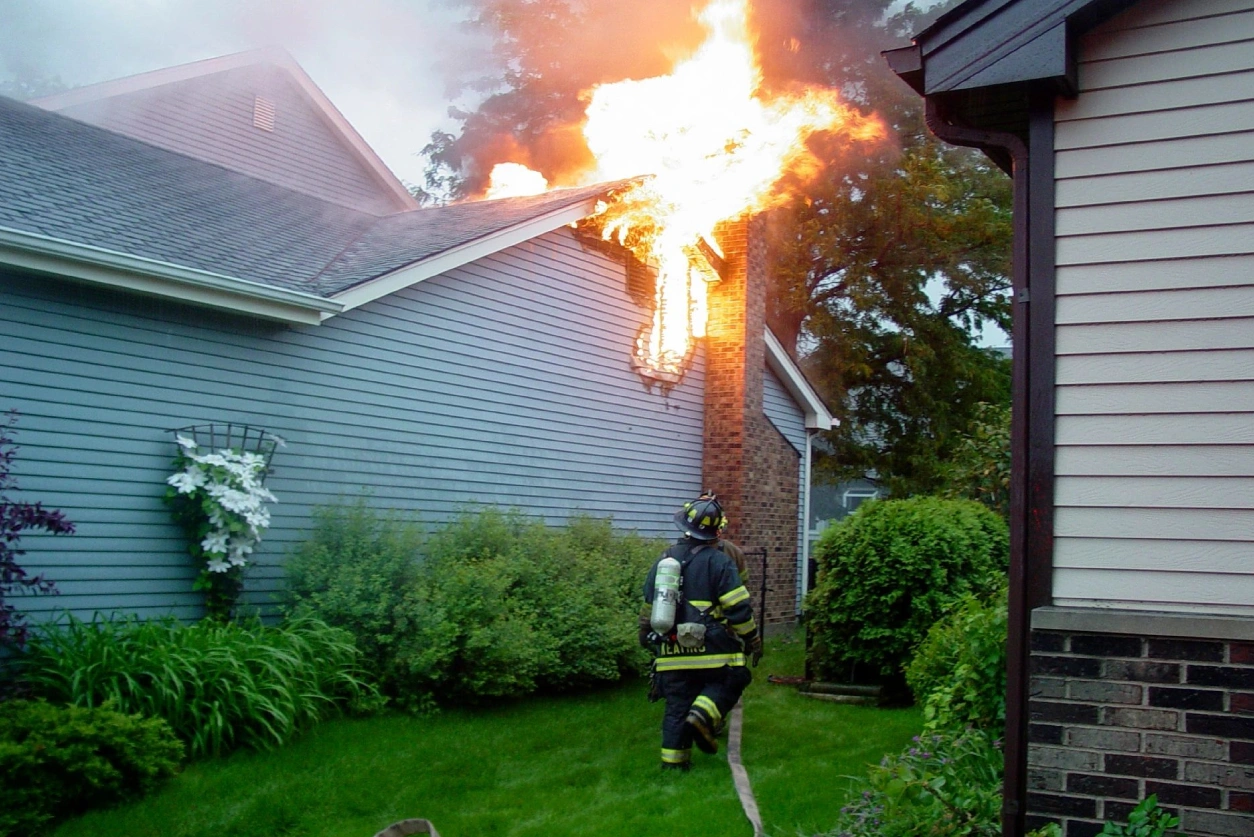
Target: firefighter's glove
column 754, row 647
column 645, row 633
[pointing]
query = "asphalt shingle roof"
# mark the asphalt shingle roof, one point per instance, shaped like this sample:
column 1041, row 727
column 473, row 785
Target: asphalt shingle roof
column 406, row 237
column 72, row 181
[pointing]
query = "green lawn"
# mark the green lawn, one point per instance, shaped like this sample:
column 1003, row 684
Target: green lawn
column 577, row 765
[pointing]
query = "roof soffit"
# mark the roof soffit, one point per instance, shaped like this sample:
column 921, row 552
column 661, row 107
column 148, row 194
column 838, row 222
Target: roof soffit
column 817, row 415
column 984, row 44
column 150, row 277
column 997, row 43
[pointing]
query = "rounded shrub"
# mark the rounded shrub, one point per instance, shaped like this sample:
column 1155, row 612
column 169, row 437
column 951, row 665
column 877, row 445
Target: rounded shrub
column 58, row 761
column 492, row 604
column 888, row 572
column 506, row 606
column 958, row 672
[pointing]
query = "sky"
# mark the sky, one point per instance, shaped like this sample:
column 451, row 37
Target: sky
column 383, row 63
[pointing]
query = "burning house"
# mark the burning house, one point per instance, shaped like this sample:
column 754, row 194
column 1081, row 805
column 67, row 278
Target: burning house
column 214, row 243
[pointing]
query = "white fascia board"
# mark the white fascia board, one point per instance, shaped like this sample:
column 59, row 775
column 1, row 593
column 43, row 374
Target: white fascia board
column 462, row 254
column 98, row 266
column 818, row 417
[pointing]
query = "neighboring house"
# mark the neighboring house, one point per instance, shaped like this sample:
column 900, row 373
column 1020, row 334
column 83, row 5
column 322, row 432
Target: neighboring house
column 220, row 246
column 1129, row 129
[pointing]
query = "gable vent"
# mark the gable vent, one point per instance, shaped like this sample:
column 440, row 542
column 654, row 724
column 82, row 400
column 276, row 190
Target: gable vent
column 263, row 114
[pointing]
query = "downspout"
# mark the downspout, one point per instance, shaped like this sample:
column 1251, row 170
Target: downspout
column 1014, row 793
column 805, row 520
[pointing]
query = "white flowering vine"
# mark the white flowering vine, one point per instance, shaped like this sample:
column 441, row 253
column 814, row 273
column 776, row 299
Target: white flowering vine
column 219, row 499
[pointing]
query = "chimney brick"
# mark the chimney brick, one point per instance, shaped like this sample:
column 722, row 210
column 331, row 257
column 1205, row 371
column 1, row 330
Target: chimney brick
column 747, row 462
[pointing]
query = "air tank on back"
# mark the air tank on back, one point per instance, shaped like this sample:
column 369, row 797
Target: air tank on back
column 665, row 595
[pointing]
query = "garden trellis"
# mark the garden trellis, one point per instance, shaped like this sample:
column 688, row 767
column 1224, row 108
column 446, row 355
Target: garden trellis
column 241, row 438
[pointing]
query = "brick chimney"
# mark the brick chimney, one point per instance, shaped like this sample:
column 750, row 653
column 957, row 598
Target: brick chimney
column 747, row 462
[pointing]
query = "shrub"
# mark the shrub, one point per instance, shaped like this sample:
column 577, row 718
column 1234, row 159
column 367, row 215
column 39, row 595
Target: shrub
column 498, row 605
column 353, row 573
column 506, row 606
column 958, row 672
column 890, row 570
column 218, row 685
column 60, row 761
column 15, row 518
column 944, row 785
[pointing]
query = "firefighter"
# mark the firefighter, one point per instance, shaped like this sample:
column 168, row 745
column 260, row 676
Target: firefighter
column 702, row 643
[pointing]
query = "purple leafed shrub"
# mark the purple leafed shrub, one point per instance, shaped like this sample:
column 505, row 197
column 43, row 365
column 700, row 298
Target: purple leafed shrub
column 15, row 518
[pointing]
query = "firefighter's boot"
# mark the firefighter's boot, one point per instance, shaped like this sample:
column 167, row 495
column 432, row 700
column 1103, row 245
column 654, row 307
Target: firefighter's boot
column 703, row 730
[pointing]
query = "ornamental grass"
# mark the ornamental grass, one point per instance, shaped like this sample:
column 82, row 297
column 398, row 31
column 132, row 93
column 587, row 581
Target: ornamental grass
column 219, row 685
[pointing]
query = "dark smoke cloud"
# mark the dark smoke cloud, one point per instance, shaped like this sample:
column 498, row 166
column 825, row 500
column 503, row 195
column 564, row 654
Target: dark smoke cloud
column 383, row 63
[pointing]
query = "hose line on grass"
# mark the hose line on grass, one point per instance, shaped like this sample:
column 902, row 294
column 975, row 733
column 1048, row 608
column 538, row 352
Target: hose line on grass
column 404, row 828
column 739, row 775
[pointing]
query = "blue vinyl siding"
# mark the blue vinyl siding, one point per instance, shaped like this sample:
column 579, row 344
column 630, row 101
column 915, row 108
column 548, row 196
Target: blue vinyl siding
column 506, row 381
column 783, row 411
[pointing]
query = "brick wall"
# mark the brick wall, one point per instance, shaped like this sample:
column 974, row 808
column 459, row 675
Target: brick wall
column 746, row 461
column 771, row 518
column 1114, row 718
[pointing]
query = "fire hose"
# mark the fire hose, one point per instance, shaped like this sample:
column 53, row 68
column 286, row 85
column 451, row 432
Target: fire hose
column 740, row 777
column 404, row 828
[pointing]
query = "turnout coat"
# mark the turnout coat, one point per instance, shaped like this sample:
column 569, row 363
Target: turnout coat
column 710, row 594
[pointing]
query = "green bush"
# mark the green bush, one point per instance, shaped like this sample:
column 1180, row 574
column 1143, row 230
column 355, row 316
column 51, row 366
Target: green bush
column 497, row 605
column 60, row 761
column 944, row 785
column 889, row 571
column 353, row 573
column 958, row 672
column 218, row 685
column 506, row 606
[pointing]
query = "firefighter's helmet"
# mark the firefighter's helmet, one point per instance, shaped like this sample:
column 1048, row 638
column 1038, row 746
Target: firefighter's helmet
column 701, row 519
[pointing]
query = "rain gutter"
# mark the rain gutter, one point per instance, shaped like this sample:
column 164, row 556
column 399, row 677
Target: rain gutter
column 110, row 268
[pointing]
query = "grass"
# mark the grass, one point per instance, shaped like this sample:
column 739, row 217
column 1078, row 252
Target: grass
column 574, row 765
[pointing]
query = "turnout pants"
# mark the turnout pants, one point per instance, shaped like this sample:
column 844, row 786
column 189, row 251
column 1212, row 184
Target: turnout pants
column 714, row 691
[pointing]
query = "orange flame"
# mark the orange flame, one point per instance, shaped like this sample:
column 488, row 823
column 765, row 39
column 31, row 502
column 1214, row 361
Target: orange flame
column 715, row 146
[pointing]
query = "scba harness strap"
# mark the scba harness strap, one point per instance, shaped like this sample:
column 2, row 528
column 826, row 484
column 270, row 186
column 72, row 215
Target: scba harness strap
column 689, row 635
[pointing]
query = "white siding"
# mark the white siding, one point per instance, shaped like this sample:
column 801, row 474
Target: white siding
column 1154, row 172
